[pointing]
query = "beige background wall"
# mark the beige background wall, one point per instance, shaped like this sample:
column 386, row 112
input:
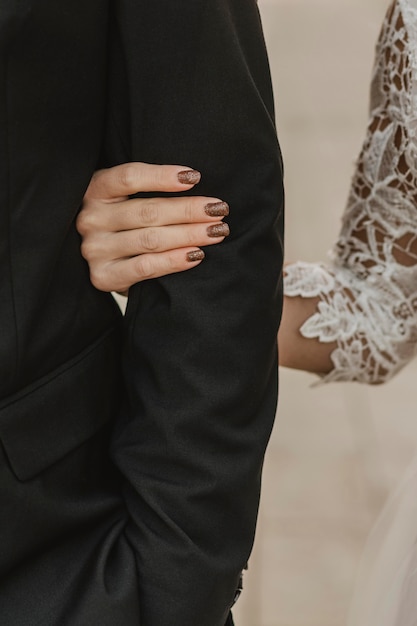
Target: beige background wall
column 336, row 451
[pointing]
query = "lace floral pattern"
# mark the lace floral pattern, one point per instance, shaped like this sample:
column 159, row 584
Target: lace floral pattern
column 368, row 292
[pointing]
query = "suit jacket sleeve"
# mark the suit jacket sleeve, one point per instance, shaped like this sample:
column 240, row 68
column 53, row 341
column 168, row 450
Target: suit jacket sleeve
column 200, row 356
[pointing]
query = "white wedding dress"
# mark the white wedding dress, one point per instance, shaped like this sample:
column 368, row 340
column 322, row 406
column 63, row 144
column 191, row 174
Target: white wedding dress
column 368, row 300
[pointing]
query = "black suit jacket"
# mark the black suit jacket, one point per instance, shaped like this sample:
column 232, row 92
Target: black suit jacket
column 156, row 532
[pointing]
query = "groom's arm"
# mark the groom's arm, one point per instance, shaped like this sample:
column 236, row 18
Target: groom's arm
column 200, row 355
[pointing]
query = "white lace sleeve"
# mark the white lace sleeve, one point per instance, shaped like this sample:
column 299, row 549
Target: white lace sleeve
column 368, row 292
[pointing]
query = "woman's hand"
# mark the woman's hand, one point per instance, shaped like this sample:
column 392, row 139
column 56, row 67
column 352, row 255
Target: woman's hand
column 128, row 240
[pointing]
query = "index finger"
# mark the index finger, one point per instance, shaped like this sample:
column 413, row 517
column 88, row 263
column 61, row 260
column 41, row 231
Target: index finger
column 116, row 183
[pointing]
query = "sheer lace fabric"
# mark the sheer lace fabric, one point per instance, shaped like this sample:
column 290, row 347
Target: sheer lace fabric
column 386, row 586
column 368, row 292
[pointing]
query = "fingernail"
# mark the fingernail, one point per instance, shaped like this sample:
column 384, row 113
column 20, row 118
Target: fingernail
column 195, row 255
column 189, row 177
column 218, row 230
column 217, row 209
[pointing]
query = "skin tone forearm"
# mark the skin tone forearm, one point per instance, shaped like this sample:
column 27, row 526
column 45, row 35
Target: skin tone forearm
column 296, row 351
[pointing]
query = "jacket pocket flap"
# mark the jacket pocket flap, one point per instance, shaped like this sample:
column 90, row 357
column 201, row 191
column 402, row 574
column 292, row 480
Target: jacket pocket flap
column 45, row 421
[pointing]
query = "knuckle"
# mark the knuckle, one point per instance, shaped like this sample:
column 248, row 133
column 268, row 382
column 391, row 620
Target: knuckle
column 160, row 177
column 128, row 176
column 83, row 221
column 91, row 248
column 87, row 249
column 90, row 218
column 189, row 209
column 190, row 236
column 149, row 213
column 172, row 263
column 150, row 239
column 98, row 277
column 144, row 267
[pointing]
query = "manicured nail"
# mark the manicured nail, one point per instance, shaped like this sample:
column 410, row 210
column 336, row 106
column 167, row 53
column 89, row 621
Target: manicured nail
column 189, row 177
column 218, row 230
column 195, row 255
column 217, row 209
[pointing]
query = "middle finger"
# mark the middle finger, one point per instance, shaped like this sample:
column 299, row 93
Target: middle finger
column 145, row 212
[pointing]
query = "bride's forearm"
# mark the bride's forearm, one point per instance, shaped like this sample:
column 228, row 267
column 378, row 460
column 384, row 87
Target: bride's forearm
column 295, row 350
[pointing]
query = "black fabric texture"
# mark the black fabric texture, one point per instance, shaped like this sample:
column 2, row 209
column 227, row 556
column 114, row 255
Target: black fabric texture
column 200, row 361
column 156, row 532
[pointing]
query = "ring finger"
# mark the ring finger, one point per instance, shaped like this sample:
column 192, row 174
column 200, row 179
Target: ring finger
column 159, row 239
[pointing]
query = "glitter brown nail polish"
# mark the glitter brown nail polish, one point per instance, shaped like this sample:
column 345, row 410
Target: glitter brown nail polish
column 218, row 230
column 217, row 209
column 195, row 255
column 189, row 177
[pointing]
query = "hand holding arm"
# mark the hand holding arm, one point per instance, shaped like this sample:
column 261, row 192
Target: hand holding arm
column 127, row 240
